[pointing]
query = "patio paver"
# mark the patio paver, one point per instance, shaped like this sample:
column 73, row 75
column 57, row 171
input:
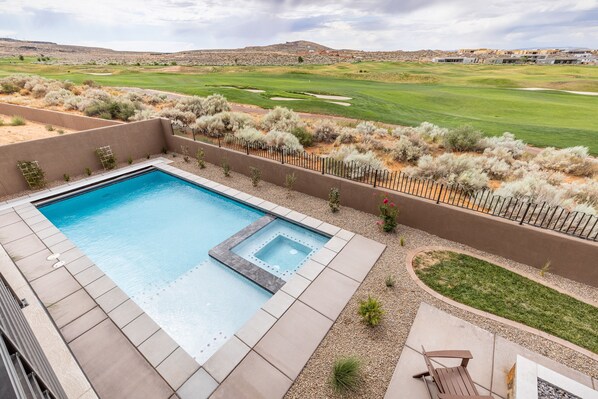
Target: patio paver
column 36, row 265
column 71, row 307
column 199, row 386
column 291, row 341
column 253, row 378
column 177, row 368
column 158, row 347
column 55, row 286
column 220, row 365
column 83, row 324
column 329, row 293
column 357, row 257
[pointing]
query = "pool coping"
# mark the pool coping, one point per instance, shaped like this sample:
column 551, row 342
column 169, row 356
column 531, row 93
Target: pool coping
column 277, row 341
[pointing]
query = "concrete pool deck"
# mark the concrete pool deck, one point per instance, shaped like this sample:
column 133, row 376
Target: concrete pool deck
column 124, row 352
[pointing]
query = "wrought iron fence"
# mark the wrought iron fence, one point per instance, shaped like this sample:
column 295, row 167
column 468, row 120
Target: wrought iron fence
column 523, row 211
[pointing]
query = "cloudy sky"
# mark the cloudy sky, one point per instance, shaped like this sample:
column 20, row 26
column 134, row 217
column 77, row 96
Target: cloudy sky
column 174, row 25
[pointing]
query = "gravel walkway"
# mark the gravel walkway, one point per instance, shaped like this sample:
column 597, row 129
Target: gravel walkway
column 380, row 348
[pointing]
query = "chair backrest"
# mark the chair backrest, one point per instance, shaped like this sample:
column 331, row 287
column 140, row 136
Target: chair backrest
column 432, row 371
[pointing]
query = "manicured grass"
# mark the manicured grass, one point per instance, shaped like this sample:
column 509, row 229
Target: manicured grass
column 493, row 289
column 402, row 93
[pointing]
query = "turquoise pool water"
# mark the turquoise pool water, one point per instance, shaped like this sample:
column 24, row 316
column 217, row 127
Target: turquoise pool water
column 151, row 234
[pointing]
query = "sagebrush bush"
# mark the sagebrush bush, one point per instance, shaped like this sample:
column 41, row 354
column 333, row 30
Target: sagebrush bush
column 496, row 168
column 463, row 138
column 347, row 135
column 534, row 187
column 430, row 131
column 584, row 192
column 500, row 146
column 281, row 119
column 8, row 88
column 113, row 109
column 250, row 135
column 180, row 119
column 57, row 97
column 283, row 140
column 369, row 143
column 464, row 170
column 369, row 129
column 143, row 114
column 409, row 149
column 97, row 94
column 215, row 104
column 17, row 121
column 572, row 160
column 360, row 162
column 325, row 131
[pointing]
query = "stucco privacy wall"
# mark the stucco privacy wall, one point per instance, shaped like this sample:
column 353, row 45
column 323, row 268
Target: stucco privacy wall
column 570, row 257
column 72, row 153
column 55, row 118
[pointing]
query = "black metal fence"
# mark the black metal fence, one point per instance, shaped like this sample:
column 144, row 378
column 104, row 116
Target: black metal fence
column 550, row 217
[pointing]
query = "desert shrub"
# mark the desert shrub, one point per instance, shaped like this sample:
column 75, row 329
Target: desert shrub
column 281, row 119
column 496, row 168
column 39, row 90
column 256, row 175
column 250, row 135
column 346, row 375
column 222, row 123
column 112, row 109
column 283, row 140
column 143, row 114
column 535, row 187
column 368, row 129
column 325, row 131
column 572, row 160
column 464, row 170
column 371, row 311
column 225, row 167
column 180, row 119
column 306, row 139
column 199, row 157
column 463, row 138
column 134, row 97
column 587, row 209
column 334, row 199
column 388, row 215
column 360, row 162
column 430, row 131
column 369, row 143
column 585, row 191
column 97, row 94
column 502, row 145
column 90, row 83
column 153, row 99
column 50, row 128
column 193, row 104
column 17, row 121
column 215, row 104
column 347, row 136
column 409, row 149
column 57, row 97
column 289, row 181
column 209, row 126
column 389, row 281
column 9, row 88
column 234, row 121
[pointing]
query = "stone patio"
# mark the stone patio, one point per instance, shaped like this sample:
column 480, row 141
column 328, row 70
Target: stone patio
column 493, row 356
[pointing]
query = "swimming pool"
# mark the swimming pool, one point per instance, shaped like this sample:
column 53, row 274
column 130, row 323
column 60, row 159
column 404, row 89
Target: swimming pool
column 151, row 235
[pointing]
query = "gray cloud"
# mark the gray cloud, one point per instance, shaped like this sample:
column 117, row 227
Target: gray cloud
column 368, row 24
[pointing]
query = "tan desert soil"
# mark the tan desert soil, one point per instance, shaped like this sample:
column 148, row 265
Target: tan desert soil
column 380, row 347
column 29, row 131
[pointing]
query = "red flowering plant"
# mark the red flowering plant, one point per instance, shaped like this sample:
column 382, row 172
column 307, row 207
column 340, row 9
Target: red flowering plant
column 388, row 215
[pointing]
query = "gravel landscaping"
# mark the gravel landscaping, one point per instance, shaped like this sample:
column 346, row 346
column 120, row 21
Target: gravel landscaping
column 379, row 348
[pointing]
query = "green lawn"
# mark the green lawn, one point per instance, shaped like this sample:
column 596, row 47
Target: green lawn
column 491, row 288
column 403, row 93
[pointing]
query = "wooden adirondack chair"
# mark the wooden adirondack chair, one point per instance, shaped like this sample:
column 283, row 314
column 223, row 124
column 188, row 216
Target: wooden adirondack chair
column 452, row 382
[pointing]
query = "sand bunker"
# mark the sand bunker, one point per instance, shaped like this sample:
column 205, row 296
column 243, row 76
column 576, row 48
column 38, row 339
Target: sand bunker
column 328, row 97
column 99, row 73
column 285, row 99
column 255, row 90
column 339, row 103
column 583, row 93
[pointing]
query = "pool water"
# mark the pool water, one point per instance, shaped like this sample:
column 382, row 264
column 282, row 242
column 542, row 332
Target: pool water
column 281, row 247
column 151, row 235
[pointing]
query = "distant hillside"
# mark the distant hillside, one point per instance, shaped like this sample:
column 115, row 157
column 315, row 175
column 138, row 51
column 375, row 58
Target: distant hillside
column 275, row 54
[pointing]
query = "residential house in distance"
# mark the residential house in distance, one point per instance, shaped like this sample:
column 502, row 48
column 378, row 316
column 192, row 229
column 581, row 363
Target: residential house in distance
column 455, row 60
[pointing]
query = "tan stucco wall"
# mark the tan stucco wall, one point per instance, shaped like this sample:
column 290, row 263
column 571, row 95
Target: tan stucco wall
column 570, row 257
column 74, row 152
column 55, row 118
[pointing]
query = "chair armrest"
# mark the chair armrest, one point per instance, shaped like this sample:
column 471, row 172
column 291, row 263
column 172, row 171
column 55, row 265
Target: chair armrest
column 456, row 354
column 449, row 396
